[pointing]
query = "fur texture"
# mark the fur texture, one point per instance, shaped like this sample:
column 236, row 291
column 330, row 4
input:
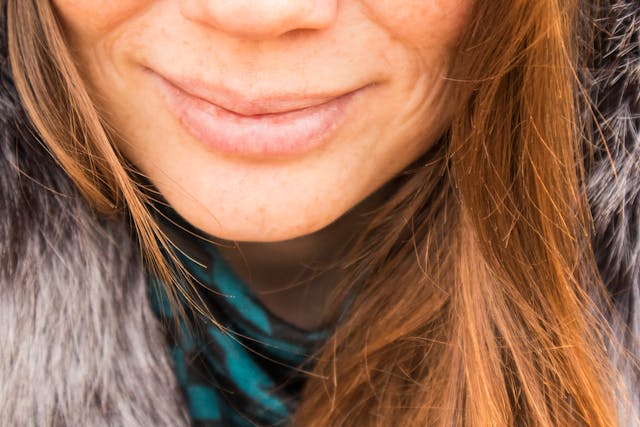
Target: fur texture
column 614, row 85
column 79, row 344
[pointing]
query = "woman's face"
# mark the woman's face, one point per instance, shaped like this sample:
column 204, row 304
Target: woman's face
column 264, row 120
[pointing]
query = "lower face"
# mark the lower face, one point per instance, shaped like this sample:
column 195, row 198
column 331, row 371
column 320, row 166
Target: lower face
column 191, row 88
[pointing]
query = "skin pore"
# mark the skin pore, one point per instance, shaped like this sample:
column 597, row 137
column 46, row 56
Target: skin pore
column 286, row 212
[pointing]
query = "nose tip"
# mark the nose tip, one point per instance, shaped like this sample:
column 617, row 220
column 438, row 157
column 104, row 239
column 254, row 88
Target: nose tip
column 261, row 18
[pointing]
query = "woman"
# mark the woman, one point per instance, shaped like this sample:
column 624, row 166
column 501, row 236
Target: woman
column 454, row 183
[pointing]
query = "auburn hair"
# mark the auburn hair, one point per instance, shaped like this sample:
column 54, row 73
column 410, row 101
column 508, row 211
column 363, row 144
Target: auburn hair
column 475, row 297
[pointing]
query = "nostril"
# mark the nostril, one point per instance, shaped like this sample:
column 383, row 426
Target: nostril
column 296, row 32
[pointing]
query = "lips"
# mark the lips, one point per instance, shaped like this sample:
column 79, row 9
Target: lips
column 276, row 124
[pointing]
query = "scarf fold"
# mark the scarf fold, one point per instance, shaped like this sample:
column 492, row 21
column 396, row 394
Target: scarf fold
column 244, row 378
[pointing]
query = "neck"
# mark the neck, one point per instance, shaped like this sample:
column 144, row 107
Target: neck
column 293, row 278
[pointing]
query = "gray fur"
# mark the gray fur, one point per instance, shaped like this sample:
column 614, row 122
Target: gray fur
column 614, row 84
column 78, row 343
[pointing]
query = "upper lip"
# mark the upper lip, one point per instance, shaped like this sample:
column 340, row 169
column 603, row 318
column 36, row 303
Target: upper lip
column 254, row 105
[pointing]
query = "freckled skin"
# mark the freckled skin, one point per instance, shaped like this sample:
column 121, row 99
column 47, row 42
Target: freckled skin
column 405, row 47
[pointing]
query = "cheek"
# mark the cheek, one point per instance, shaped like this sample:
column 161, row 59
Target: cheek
column 422, row 24
column 89, row 19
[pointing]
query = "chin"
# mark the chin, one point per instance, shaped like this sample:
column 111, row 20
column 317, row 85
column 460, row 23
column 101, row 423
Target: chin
column 250, row 233
column 255, row 227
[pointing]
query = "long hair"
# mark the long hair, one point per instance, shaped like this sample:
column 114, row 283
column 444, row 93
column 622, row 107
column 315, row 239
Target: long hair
column 476, row 299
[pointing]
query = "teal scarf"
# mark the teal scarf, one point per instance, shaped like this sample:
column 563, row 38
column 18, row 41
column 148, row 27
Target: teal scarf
column 223, row 382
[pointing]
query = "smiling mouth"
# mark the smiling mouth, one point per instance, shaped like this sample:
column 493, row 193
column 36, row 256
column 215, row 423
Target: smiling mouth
column 274, row 125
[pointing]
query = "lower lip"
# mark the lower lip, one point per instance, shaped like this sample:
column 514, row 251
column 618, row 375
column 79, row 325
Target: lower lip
column 280, row 134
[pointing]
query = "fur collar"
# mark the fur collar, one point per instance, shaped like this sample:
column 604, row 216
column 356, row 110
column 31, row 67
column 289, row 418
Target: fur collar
column 614, row 85
column 80, row 345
